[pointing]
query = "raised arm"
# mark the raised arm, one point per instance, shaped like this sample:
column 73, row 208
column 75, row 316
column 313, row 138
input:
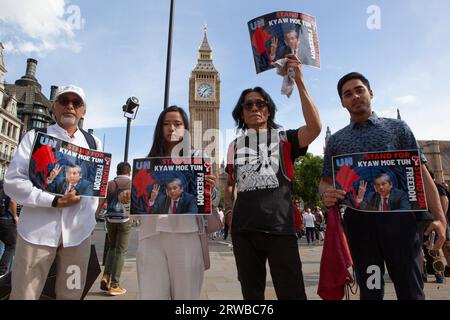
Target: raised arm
column 311, row 130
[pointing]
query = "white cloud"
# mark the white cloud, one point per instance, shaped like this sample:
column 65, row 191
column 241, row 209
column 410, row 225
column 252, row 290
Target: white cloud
column 38, row 26
column 407, row 100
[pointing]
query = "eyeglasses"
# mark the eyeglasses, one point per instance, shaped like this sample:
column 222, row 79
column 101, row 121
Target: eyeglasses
column 76, row 103
column 260, row 104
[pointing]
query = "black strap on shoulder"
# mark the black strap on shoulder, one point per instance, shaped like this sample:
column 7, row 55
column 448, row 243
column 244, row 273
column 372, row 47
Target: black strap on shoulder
column 89, row 138
column 41, row 130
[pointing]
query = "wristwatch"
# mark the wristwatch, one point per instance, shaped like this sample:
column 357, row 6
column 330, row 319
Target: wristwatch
column 55, row 201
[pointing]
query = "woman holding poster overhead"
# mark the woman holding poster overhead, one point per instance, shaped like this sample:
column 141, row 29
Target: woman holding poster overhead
column 260, row 168
column 170, row 263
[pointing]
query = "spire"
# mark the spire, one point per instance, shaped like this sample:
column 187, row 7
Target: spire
column 2, row 63
column 204, row 52
column 204, row 63
column 398, row 115
column 327, row 135
column 2, row 67
column 327, row 138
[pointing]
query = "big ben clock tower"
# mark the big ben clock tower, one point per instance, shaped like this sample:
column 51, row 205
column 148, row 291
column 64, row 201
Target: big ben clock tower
column 204, row 104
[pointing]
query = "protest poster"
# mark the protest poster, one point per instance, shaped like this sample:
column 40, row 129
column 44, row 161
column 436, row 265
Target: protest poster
column 58, row 167
column 170, row 186
column 279, row 33
column 381, row 181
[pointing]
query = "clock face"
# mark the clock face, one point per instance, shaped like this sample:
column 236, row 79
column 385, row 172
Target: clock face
column 205, row 90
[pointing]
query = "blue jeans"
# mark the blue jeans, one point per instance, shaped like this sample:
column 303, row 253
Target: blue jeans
column 310, row 235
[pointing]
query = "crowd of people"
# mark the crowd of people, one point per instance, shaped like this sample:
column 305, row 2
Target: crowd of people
column 260, row 212
column 310, row 223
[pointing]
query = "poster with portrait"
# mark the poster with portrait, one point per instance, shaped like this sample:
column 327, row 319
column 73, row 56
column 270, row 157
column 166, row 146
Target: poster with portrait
column 279, row 33
column 381, row 181
column 170, row 186
column 59, row 167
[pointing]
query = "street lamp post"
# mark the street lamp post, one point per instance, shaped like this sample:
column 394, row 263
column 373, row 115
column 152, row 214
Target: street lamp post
column 130, row 110
column 169, row 56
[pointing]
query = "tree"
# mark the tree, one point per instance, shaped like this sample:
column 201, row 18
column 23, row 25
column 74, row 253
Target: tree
column 307, row 172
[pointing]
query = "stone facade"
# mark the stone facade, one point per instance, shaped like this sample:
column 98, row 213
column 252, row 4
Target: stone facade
column 204, row 104
column 438, row 156
column 10, row 124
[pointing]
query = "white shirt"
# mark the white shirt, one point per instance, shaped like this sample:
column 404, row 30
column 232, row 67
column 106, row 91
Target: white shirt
column 380, row 206
column 39, row 222
column 308, row 220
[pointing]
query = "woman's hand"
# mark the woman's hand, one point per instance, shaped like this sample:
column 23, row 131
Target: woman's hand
column 211, row 180
column 294, row 63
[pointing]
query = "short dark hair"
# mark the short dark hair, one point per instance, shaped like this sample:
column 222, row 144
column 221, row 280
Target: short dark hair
column 76, row 167
column 383, row 174
column 123, row 168
column 177, row 181
column 351, row 76
column 238, row 109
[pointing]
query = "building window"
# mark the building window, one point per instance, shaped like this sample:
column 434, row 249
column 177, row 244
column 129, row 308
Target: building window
column 4, row 124
column 9, row 130
column 37, row 124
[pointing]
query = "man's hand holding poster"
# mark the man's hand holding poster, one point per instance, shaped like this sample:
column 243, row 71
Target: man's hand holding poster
column 59, row 167
column 170, row 186
column 277, row 34
column 381, row 181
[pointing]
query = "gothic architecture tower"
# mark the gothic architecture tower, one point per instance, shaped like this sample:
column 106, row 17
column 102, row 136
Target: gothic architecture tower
column 204, row 104
column 33, row 107
column 10, row 124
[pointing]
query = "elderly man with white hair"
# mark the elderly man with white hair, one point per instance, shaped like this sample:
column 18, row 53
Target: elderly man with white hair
column 52, row 227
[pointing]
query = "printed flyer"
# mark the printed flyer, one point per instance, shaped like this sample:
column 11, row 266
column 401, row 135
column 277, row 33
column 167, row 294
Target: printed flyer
column 59, row 167
column 381, row 181
column 170, row 186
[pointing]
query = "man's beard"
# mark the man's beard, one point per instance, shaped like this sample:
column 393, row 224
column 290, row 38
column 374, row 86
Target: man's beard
column 68, row 121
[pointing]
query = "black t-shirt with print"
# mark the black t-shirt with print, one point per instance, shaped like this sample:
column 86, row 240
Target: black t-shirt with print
column 264, row 201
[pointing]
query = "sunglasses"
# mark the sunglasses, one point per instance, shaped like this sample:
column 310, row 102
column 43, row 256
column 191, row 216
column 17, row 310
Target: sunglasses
column 260, row 104
column 76, row 103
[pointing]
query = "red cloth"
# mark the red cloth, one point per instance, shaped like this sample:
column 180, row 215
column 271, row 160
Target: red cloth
column 297, row 219
column 336, row 260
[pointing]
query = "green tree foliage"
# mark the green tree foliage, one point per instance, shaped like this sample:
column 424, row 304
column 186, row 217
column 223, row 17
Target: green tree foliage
column 307, row 171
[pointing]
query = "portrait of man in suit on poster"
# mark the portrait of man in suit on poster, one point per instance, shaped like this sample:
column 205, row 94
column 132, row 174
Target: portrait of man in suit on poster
column 73, row 181
column 176, row 200
column 385, row 198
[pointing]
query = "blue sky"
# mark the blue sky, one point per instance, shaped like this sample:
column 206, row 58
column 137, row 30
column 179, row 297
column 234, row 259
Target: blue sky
column 117, row 49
